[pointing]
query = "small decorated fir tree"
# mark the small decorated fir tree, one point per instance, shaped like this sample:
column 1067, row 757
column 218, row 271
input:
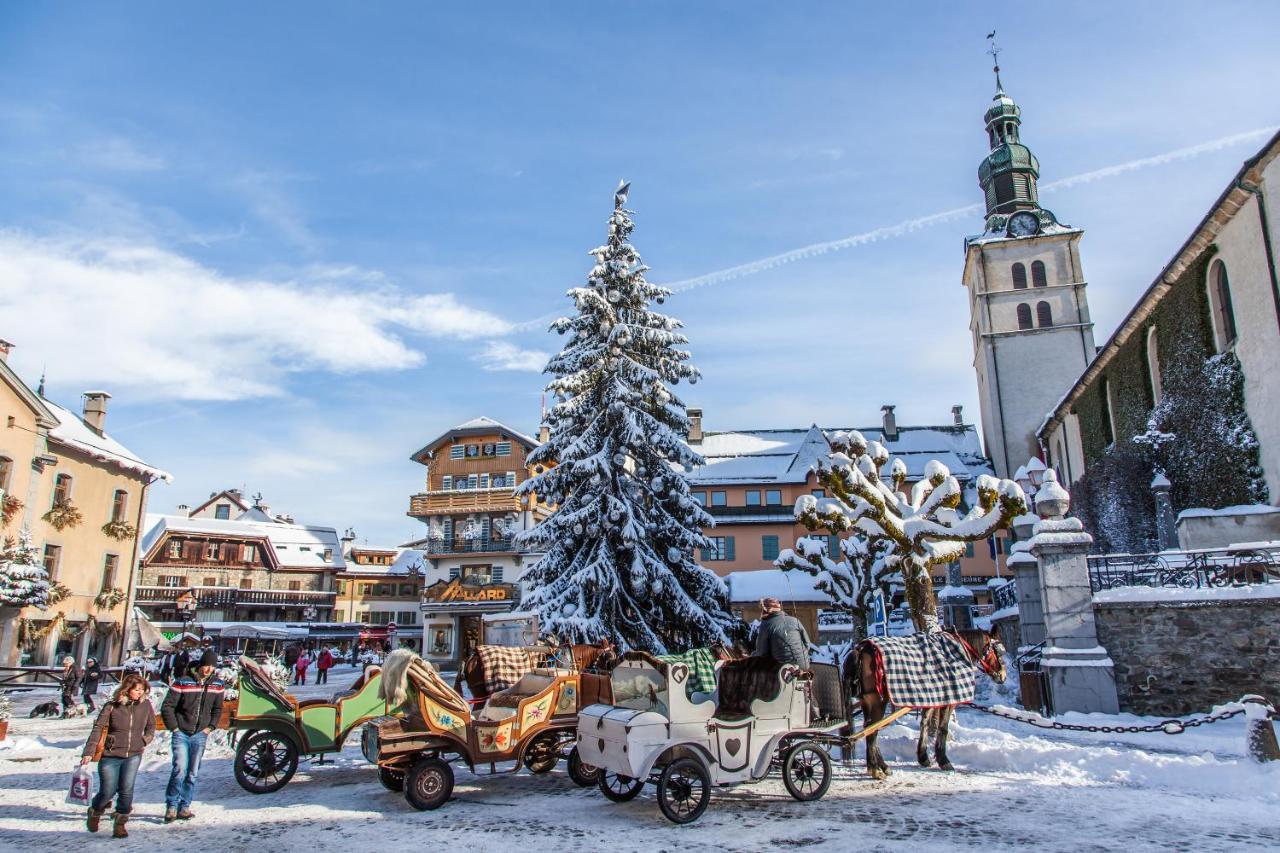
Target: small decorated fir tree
column 619, row 549
column 23, row 580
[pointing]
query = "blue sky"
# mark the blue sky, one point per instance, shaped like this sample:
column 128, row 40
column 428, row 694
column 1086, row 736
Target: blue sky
column 298, row 242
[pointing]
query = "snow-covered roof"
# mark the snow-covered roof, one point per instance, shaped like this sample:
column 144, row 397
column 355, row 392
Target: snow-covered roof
column 296, row 546
column 405, row 558
column 474, row 426
column 73, row 432
column 751, row 586
column 786, row 455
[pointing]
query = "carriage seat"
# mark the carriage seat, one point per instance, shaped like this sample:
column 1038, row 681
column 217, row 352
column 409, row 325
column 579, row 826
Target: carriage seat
column 529, row 685
column 366, row 677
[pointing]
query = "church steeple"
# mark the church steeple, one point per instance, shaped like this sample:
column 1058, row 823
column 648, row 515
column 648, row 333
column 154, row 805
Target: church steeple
column 1008, row 174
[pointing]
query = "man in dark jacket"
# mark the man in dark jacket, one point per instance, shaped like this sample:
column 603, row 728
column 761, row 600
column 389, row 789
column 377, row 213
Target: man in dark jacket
column 190, row 711
column 92, row 678
column 781, row 637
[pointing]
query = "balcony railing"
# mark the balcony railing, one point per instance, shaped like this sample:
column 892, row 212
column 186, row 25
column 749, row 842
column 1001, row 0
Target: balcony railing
column 459, row 545
column 741, row 511
column 1186, row 569
column 463, row 500
column 221, row 596
column 1006, row 596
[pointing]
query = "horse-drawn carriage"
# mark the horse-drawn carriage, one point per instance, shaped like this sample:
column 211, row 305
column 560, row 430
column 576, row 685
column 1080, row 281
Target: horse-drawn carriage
column 530, row 724
column 759, row 719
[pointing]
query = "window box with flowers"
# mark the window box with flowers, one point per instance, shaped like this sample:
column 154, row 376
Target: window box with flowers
column 108, row 598
column 119, row 530
column 62, row 515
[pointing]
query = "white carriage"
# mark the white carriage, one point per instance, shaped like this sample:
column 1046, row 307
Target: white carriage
column 685, row 744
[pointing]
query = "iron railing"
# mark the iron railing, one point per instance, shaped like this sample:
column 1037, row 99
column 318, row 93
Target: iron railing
column 1005, row 596
column 218, row 596
column 1186, row 569
column 462, row 545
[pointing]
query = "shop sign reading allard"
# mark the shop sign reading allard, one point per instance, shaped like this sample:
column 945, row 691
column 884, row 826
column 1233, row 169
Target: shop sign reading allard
column 456, row 592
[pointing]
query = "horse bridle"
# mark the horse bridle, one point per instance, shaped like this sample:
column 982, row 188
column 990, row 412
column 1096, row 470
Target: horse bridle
column 989, row 662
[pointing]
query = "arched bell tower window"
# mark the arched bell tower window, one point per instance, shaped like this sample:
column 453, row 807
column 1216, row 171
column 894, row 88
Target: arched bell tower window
column 1108, row 423
column 1024, row 316
column 1153, row 366
column 1224, row 318
column 1038, row 278
column 1044, row 315
column 1019, row 277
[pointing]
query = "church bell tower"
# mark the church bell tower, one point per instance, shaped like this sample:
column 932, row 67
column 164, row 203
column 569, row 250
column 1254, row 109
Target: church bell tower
column 1028, row 311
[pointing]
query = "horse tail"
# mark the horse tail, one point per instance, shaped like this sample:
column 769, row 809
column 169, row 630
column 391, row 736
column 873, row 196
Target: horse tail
column 394, row 687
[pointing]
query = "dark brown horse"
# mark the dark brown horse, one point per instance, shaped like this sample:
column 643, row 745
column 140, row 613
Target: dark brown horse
column 862, row 672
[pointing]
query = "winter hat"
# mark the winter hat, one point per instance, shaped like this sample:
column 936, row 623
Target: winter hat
column 209, row 658
column 68, row 660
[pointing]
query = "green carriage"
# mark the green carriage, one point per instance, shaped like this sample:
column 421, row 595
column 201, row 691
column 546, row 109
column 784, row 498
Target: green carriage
column 277, row 729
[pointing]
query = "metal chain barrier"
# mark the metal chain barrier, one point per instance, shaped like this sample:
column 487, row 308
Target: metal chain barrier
column 1168, row 727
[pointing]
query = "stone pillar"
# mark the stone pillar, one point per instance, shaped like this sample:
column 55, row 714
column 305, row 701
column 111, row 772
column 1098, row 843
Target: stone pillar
column 1026, row 573
column 1080, row 673
column 1166, row 522
column 955, row 600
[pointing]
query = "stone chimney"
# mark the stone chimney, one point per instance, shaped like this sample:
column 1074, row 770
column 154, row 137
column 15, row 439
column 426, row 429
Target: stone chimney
column 544, row 432
column 348, row 536
column 95, row 409
column 183, row 509
column 957, row 414
column 5, row 346
column 889, row 424
column 695, row 426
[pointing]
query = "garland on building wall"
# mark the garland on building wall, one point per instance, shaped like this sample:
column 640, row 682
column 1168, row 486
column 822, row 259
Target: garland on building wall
column 108, row 598
column 29, row 634
column 62, row 515
column 9, row 507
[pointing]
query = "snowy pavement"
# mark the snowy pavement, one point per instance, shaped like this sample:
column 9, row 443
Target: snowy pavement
column 1017, row 787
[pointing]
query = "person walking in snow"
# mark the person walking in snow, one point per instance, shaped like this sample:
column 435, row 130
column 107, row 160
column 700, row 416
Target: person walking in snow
column 92, row 678
column 190, row 711
column 323, row 664
column 781, row 637
column 300, row 668
column 124, row 727
column 69, row 681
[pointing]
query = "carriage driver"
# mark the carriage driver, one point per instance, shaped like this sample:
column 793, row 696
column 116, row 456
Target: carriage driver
column 781, row 637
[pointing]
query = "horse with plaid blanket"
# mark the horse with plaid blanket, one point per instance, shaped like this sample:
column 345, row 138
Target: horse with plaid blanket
column 931, row 671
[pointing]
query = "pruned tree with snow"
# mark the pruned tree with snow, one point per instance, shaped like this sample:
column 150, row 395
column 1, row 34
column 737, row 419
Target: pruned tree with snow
column 618, row 559
column 850, row 578
column 23, row 580
column 924, row 529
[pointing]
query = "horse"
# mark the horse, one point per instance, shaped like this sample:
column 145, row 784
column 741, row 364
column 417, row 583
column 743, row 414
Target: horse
column 862, row 673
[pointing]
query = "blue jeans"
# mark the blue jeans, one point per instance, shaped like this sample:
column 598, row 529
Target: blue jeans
column 116, row 775
column 187, row 752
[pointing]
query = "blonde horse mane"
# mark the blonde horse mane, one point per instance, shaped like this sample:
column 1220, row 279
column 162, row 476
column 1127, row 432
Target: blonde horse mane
column 394, row 688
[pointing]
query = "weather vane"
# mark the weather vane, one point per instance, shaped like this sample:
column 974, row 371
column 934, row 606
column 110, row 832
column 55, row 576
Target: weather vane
column 995, row 58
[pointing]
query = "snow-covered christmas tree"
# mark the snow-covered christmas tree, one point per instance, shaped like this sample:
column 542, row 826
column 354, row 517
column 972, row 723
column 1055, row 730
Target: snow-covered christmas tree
column 923, row 529
column 23, row 580
column 619, row 549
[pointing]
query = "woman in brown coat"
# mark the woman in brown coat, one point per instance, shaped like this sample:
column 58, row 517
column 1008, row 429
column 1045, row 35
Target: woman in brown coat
column 124, row 727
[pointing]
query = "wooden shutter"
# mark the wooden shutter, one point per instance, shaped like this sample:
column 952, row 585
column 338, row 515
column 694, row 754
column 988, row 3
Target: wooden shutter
column 728, row 548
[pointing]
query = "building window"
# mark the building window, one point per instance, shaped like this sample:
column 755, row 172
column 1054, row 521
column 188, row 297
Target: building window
column 211, row 551
column 328, row 555
column 1024, row 316
column 1224, row 318
column 1019, row 277
column 773, row 497
column 473, row 450
column 295, row 586
column 1044, row 315
column 753, row 497
column 175, row 549
column 446, row 482
column 503, row 448
column 458, row 451
column 700, row 497
column 968, row 549
column 498, row 481
column 1153, row 365
column 366, row 588
column 769, row 547
column 222, row 511
column 248, row 553
column 488, row 449
column 818, row 493
column 61, row 489
column 1038, row 278
column 246, row 583
column 119, row 505
column 719, row 499
column 718, row 548
column 110, row 564
column 173, row 581
column 6, row 472
column 209, row 582
column 1108, row 422
column 484, row 481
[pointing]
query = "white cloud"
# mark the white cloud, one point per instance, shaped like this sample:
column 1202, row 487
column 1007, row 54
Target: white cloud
column 166, row 327
column 118, row 153
column 502, row 355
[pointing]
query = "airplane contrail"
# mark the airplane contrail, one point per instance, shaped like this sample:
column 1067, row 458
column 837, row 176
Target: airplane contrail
column 888, row 232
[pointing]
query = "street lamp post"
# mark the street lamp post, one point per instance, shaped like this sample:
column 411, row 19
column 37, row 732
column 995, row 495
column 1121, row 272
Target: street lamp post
column 187, row 606
column 309, row 613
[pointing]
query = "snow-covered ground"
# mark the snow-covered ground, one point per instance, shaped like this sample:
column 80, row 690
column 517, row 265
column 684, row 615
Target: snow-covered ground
column 1017, row 787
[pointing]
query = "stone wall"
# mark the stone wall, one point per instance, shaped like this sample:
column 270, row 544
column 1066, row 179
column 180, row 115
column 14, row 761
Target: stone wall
column 1177, row 658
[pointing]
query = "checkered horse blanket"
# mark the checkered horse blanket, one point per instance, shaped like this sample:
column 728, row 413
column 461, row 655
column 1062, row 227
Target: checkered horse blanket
column 702, row 670
column 501, row 667
column 923, row 670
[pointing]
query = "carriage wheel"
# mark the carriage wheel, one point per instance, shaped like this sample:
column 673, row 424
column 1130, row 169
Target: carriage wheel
column 265, row 762
column 542, row 753
column 392, row 780
column 584, row 775
column 806, row 772
column 429, row 784
column 619, row 788
column 684, row 790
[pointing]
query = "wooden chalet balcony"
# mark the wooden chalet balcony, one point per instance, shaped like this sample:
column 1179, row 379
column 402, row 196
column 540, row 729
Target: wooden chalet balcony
column 221, row 596
column 458, row 545
column 463, row 500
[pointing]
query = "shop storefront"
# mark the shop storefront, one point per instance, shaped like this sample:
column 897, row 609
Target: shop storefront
column 453, row 617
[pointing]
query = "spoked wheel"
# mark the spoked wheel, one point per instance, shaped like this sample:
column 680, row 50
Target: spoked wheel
column 684, row 790
column 583, row 775
column 392, row 780
column 542, row 753
column 265, row 762
column 428, row 784
column 619, row 788
column 806, row 772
